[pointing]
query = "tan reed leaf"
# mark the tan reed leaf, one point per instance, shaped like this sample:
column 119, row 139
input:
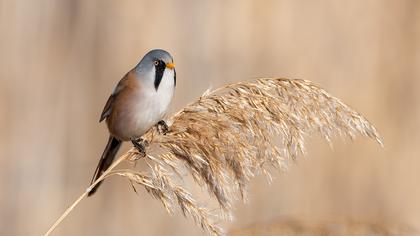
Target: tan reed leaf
column 229, row 135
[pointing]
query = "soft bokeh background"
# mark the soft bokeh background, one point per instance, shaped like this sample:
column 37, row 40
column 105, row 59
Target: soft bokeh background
column 59, row 61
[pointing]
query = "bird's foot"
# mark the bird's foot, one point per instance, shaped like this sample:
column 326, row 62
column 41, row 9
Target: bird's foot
column 162, row 127
column 140, row 145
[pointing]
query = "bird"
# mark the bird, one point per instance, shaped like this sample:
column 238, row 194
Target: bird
column 138, row 102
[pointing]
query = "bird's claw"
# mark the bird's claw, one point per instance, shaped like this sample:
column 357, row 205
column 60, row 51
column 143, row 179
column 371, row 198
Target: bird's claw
column 162, row 127
column 140, row 145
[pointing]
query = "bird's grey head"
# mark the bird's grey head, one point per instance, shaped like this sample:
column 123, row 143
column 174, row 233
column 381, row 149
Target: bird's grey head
column 153, row 66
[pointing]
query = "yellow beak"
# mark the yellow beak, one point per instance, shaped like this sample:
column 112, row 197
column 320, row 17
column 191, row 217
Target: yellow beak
column 170, row 65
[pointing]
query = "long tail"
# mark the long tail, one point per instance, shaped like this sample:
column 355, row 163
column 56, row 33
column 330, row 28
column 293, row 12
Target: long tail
column 107, row 157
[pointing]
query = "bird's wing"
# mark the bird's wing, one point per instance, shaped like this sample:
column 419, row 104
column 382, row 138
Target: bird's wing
column 108, row 106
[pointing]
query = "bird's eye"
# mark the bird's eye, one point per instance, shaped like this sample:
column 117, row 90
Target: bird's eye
column 156, row 63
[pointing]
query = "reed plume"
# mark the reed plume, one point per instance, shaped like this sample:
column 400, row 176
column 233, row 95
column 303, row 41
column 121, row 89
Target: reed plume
column 229, row 135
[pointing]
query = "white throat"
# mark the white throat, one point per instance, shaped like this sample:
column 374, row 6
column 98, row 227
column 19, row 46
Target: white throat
column 153, row 103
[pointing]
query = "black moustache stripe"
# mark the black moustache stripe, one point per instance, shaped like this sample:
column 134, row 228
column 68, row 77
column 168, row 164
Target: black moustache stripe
column 174, row 77
column 159, row 70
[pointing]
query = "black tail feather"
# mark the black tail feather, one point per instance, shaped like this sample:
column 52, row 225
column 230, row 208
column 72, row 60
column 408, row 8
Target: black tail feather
column 107, row 157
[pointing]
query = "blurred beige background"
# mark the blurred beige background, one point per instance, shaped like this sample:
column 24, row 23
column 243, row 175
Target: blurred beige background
column 59, row 61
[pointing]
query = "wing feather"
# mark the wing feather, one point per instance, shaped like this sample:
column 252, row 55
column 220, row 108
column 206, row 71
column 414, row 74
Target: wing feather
column 108, row 106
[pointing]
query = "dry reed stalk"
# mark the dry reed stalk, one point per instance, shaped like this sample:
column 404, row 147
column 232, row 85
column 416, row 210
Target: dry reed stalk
column 229, row 135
